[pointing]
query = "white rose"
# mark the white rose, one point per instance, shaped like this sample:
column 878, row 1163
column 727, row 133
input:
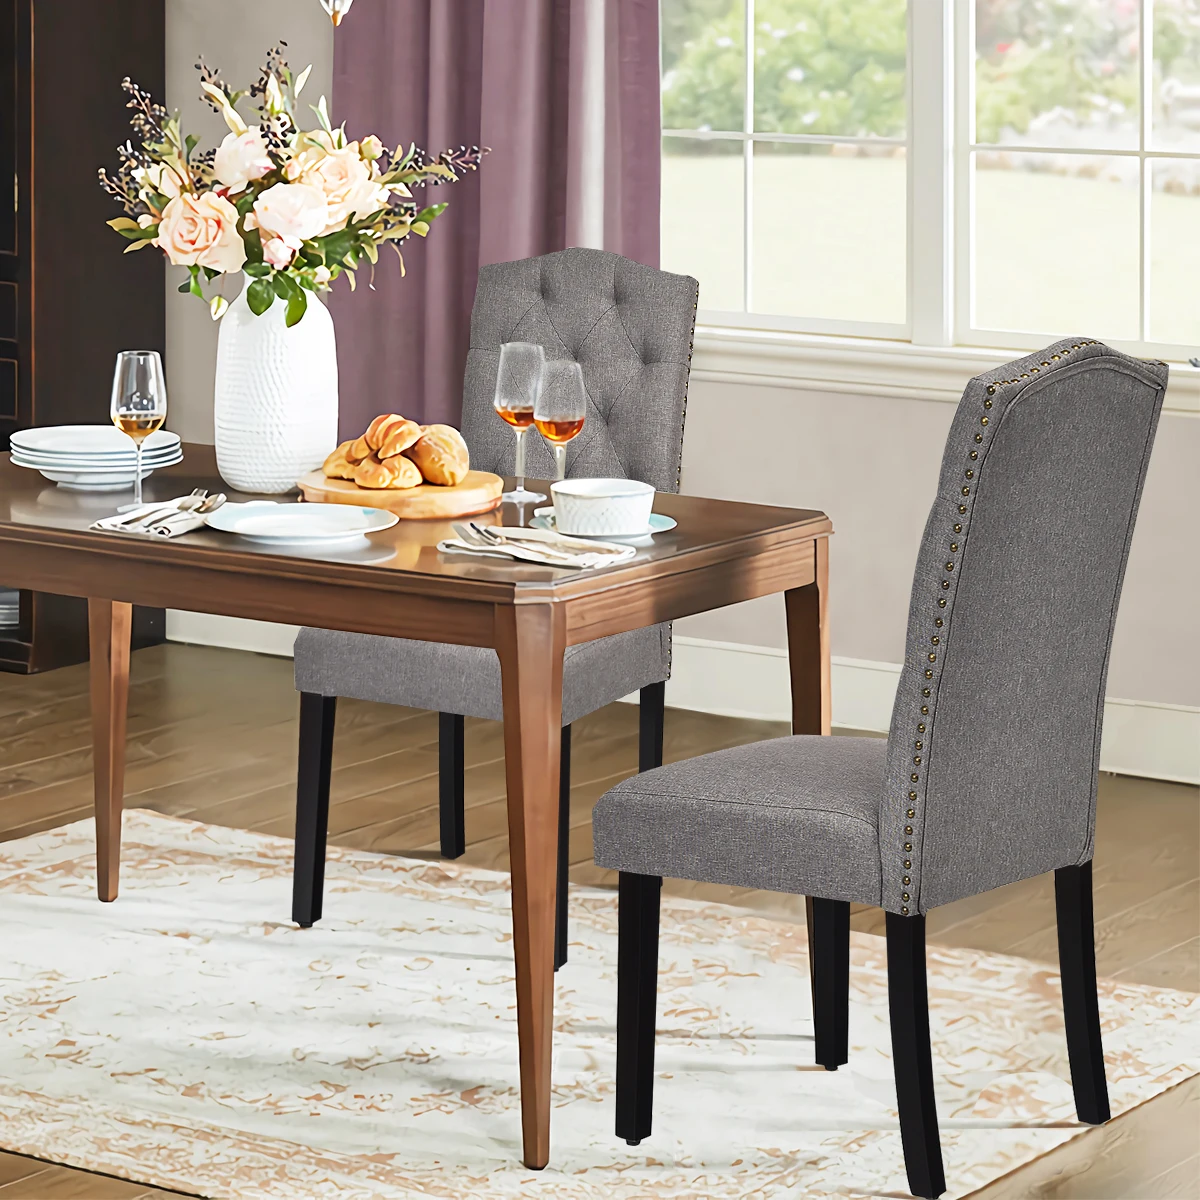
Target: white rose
column 201, row 230
column 158, row 177
column 293, row 212
column 242, row 157
column 278, row 253
column 342, row 177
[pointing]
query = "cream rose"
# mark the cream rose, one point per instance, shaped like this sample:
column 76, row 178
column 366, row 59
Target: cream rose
column 202, row 231
column 292, row 212
column 159, row 178
column 278, row 253
column 242, row 157
column 341, row 176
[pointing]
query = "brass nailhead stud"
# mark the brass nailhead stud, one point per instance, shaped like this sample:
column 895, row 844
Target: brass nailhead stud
column 921, row 727
column 933, row 658
column 987, row 404
column 1055, row 357
column 942, row 602
column 935, row 640
column 904, row 911
column 925, row 709
column 912, row 795
column 945, row 584
column 979, row 437
column 966, row 491
column 906, row 880
column 962, row 510
column 924, row 691
column 908, row 829
column 970, row 474
column 908, row 847
column 911, row 812
column 1024, row 374
column 1046, row 364
column 949, row 566
column 907, row 865
column 991, row 389
column 913, row 778
column 916, row 760
column 919, row 745
column 983, row 420
column 1033, row 370
column 903, row 895
column 958, row 529
column 973, row 455
column 938, row 622
column 928, row 673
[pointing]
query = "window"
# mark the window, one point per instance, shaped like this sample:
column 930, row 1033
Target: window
column 983, row 172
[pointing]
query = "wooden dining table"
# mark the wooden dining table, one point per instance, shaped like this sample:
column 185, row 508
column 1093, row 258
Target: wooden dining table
column 398, row 584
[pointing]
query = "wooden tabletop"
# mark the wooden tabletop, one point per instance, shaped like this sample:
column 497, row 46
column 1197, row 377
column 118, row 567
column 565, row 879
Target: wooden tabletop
column 52, row 522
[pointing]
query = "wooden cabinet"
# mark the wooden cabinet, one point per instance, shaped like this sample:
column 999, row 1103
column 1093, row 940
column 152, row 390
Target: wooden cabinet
column 69, row 301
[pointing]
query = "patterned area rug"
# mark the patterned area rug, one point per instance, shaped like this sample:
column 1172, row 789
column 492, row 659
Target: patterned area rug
column 189, row 1036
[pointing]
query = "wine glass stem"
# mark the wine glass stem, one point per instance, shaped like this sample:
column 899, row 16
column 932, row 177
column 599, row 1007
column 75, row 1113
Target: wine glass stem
column 137, row 478
column 519, row 466
column 560, row 459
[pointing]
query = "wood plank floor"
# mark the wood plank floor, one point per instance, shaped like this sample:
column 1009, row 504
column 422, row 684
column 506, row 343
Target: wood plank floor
column 212, row 736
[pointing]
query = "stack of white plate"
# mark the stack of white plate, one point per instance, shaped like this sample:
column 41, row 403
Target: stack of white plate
column 92, row 458
column 10, row 606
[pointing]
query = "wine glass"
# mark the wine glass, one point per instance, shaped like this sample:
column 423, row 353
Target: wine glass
column 139, row 402
column 561, row 408
column 518, row 382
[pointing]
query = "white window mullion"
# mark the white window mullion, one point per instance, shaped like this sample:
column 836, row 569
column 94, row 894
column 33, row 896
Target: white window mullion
column 931, row 171
column 1145, row 168
column 748, row 165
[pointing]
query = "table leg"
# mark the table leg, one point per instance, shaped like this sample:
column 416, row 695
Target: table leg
column 808, row 647
column 109, row 623
column 530, row 641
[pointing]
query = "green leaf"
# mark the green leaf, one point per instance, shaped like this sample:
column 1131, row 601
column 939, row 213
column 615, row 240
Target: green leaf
column 190, row 143
column 185, row 287
column 284, row 285
column 194, row 283
column 432, row 212
column 210, row 274
column 245, row 202
column 260, row 296
column 338, row 245
column 297, row 305
column 256, row 270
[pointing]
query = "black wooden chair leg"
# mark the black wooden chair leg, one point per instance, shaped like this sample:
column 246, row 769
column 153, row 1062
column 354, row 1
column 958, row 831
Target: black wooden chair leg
column 564, row 848
column 317, row 716
column 452, row 785
column 829, row 947
column 637, row 988
column 908, row 1001
column 1077, row 963
column 651, row 715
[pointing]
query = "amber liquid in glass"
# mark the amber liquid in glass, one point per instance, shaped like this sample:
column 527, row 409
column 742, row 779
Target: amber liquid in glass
column 559, row 431
column 518, row 418
column 138, row 426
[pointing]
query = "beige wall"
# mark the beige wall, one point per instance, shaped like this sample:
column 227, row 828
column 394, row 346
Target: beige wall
column 233, row 35
column 872, row 463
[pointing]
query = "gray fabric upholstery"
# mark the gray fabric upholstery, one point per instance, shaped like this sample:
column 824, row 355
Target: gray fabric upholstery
column 466, row 679
column 1006, row 785
column 797, row 814
column 995, row 735
column 630, row 327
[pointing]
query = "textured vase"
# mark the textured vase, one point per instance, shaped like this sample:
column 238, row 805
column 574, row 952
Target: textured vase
column 276, row 402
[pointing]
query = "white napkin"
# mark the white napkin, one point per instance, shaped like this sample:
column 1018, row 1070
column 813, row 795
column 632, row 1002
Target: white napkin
column 545, row 547
column 168, row 521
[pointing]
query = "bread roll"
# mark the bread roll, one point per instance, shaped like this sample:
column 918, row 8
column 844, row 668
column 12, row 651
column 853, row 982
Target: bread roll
column 390, row 435
column 396, row 472
column 339, row 465
column 358, row 450
column 441, row 454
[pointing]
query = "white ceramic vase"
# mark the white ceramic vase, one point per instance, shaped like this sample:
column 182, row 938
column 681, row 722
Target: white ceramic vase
column 276, row 402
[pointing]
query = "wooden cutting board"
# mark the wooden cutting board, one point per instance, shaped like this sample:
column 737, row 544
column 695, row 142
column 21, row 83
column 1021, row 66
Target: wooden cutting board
column 479, row 492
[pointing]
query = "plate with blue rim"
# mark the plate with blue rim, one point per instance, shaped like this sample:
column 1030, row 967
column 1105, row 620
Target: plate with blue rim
column 273, row 524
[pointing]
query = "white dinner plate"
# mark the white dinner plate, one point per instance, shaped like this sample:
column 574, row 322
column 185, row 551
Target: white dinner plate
column 91, row 479
column 106, row 462
column 299, row 524
column 86, row 439
column 543, row 518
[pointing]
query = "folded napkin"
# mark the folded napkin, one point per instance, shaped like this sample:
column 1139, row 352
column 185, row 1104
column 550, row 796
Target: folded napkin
column 153, row 520
column 543, row 546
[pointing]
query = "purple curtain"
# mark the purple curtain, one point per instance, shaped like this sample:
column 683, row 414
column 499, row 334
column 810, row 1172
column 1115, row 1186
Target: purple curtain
column 565, row 92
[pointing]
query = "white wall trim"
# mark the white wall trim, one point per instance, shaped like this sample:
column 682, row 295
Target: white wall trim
column 1159, row 741
column 871, row 366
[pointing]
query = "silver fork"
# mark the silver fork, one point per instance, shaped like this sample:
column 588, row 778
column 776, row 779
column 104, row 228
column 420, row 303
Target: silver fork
column 488, row 538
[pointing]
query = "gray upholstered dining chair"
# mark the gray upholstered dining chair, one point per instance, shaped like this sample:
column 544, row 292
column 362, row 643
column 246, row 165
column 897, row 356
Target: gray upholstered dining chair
column 630, row 328
column 988, row 774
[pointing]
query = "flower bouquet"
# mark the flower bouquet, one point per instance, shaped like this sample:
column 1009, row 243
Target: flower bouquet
column 291, row 209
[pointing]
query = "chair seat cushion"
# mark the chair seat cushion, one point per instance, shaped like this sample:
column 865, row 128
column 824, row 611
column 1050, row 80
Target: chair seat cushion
column 796, row 814
column 466, row 679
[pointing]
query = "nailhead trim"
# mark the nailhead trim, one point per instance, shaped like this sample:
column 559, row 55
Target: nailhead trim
column 959, row 528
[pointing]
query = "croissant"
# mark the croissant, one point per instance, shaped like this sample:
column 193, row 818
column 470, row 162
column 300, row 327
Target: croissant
column 358, row 450
column 339, row 465
column 390, row 435
column 395, row 472
column 441, row 454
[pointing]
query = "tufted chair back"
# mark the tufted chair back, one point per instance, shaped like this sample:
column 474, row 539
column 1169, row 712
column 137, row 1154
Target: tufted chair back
column 995, row 736
column 628, row 326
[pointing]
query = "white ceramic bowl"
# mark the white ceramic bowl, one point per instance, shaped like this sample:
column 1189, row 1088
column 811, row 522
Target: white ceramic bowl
column 599, row 507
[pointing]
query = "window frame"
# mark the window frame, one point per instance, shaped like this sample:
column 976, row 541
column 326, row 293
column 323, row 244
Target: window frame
column 939, row 141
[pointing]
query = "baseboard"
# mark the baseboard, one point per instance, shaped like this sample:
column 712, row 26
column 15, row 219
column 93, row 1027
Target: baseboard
column 1158, row 741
